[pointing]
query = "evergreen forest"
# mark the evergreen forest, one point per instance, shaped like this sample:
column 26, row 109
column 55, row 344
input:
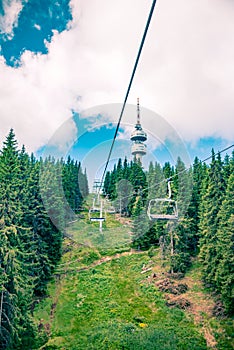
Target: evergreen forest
column 30, row 243
column 204, row 194
column 39, row 198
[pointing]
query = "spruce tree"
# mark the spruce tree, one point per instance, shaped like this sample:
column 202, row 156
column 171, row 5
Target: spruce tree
column 212, row 196
column 119, row 170
column 181, row 235
column 157, row 188
column 36, row 218
column 140, row 225
column 199, row 172
column 112, row 184
column 16, row 252
column 139, row 182
column 51, row 191
column 106, row 185
column 224, row 274
column 124, row 193
column 9, row 181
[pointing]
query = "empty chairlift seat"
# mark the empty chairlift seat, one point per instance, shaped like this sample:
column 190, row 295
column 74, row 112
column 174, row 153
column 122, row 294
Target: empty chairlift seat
column 163, row 208
column 94, row 215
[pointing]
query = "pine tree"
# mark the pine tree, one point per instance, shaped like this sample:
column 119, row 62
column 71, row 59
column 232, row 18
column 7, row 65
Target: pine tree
column 119, row 170
column 151, row 177
column 6, row 308
column 36, row 218
column 157, row 183
column 191, row 220
column 140, row 225
column 124, row 193
column 224, row 274
column 51, row 191
column 9, row 181
column 74, row 185
column 182, row 187
column 228, row 166
column 157, row 188
column 212, row 196
column 85, row 192
column 82, row 188
column 181, row 235
column 112, row 184
column 138, row 180
column 106, row 185
column 16, row 251
column 126, row 169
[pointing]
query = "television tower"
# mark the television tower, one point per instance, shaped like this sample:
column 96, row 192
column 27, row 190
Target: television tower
column 138, row 136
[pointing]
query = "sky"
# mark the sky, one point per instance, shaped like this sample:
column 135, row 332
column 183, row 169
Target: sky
column 65, row 67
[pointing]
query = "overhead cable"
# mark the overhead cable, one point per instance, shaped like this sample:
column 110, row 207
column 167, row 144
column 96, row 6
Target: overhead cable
column 128, row 90
column 183, row 171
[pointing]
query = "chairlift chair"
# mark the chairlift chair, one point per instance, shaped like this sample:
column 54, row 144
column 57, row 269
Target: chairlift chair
column 163, row 208
column 94, row 215
column 110, row 209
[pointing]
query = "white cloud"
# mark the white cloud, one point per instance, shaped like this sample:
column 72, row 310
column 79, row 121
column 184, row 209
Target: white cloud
column 63, row 140
column 9, row 20
column 185, row 73
column 37, row 26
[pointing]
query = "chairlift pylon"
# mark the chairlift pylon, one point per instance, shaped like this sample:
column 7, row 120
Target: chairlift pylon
column 163, row 208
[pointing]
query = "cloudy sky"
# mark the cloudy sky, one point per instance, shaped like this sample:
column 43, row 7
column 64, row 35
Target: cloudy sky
column 60, row 58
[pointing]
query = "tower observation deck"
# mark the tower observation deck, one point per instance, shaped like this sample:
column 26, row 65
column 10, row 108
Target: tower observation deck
column 138, row 136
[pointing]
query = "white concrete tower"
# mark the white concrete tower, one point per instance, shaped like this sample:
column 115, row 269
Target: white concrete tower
column 138, row 137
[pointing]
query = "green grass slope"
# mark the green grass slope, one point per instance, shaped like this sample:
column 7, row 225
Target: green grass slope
column 100, row 301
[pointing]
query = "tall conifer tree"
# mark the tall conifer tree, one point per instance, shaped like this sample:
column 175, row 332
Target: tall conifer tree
column 212, row 196
column 224, row 274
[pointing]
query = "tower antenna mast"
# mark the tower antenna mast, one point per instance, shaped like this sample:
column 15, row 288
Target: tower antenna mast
column 138, row 111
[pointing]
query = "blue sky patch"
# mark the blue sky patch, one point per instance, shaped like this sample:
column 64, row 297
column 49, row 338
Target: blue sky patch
column 1, row 9
column 36, row 23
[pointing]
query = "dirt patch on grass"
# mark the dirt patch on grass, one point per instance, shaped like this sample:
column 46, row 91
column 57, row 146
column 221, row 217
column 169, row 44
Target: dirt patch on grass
column 202, row 302
column 123, row 220
column 169, row 286
column 178, row 301
column 193, row 299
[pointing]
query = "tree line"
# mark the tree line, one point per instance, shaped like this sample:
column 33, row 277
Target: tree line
column 37, row 199
column 204, row 195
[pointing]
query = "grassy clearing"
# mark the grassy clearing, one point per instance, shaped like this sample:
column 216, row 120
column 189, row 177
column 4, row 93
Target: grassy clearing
column 111, row 307
column 109, row 302
column 115, row 236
